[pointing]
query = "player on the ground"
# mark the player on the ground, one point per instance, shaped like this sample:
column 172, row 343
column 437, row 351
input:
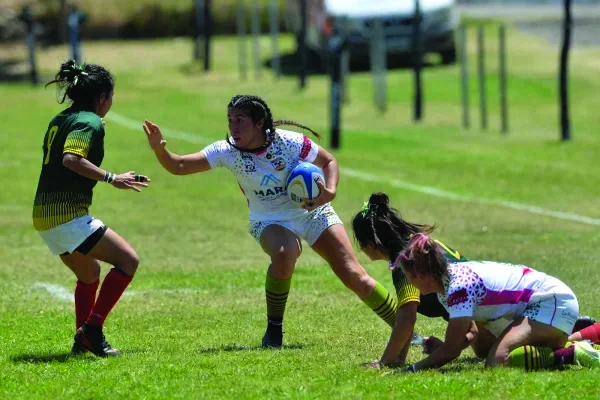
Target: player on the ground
column 73, row 150
column 261, row 157
column 382, row 234
column 541, row 309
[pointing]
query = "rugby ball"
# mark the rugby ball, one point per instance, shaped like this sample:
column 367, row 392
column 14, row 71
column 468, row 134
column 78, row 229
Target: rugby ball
column 302, row 182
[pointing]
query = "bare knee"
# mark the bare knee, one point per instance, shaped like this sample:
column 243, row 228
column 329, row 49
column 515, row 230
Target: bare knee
column 498, row 358
column 283, row 261
column 89, row 275
column 129, row 263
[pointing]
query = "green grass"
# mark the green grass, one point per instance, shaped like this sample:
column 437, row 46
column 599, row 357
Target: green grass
column 194, row 317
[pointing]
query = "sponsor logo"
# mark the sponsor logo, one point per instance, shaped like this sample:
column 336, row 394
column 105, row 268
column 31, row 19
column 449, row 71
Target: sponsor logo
column 249, row 164
column 269, row 179
column 278, row 164
column 277, row 190
column 458, row 297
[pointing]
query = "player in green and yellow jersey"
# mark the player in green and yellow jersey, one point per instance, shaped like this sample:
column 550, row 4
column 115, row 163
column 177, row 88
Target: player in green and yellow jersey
column 383, row 234
column 73, row 150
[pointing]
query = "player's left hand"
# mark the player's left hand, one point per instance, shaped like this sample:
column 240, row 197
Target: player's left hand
column 325, row 196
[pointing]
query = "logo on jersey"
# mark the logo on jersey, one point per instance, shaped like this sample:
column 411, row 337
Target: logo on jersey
column 458, row 297
column 278, row 164
column 268, row 179
column 248, row 163
column 274, row 191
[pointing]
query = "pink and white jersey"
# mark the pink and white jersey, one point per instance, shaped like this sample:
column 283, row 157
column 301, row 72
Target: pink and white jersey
column 262, row 176
column 488, row 290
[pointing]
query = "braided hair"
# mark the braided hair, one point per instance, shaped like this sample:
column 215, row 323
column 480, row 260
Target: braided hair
column 257, row 109
column 382, row 227
column 82, row 83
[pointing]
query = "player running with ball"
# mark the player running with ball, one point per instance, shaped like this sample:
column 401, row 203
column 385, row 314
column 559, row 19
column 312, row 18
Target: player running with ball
column 261, row 158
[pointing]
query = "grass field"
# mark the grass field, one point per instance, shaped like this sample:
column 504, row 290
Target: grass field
column 191, row 321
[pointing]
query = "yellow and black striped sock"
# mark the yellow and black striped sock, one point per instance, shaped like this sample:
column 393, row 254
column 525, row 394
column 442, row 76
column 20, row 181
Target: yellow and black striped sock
column 277, row 293
column 383, row 304
column 531, row 358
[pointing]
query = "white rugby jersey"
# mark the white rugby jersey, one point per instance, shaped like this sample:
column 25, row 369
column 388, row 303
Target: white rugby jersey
column 262, row 176
column 490, row 290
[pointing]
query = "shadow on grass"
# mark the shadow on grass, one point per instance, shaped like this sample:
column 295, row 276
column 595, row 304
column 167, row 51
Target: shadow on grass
column 230, row 348
column 62, row 357
column 33, row 358
column 465, row 364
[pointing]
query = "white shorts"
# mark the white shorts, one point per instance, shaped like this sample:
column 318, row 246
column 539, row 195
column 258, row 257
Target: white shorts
column 69, row 236
column 307, row 226
column 555, row 304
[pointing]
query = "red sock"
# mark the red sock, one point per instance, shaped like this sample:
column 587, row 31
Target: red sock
column 591, row 333
column 112, row 288
column 564, row 356
column 85, row 297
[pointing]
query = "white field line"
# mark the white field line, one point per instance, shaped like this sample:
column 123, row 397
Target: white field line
column 189, row 137
column 64, row 294
column 56, row 291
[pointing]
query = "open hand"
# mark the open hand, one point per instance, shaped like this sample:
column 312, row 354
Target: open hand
column 154, row 135
column 130, row 180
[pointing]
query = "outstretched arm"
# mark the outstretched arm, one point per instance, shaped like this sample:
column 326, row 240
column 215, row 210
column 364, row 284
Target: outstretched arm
column 83, row 167
column 174, row 163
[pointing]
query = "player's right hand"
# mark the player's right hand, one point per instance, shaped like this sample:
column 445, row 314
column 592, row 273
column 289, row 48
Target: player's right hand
column 154, row 135
column 128, row 180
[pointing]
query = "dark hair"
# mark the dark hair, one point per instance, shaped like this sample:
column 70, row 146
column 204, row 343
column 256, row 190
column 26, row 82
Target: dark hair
column 382, row 226
column 257, row 109
column 423, row 257
column 82, row 84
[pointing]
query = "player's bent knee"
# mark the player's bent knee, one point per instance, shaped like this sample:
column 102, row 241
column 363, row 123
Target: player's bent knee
column 501, row 358
column 129, row 263
column 285, row 256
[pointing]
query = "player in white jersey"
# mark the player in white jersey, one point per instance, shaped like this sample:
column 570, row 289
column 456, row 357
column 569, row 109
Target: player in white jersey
column 261, row 157
column 541, row 309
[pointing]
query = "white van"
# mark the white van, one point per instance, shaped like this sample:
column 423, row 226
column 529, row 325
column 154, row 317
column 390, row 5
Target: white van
column 439, row 21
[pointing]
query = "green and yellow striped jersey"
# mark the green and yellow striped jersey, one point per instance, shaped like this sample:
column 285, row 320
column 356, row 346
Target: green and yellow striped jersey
column 407, row 292
column 62, row 194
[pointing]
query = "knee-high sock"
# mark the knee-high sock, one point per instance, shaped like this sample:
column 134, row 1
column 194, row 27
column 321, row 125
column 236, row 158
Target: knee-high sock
column 383, row 304
column 276, row 291
column 85, row 298
column 533, row 358
column 591, row 333
column 113, row 286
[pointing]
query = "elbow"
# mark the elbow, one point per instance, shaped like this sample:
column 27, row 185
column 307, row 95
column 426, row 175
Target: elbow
column 70, row 160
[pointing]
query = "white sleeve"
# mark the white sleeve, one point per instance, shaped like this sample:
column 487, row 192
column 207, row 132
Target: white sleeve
column 309, row 150
column 215, row 153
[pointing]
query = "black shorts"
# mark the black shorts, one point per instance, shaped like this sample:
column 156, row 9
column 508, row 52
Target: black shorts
column 89, row 243
column 431, row 307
